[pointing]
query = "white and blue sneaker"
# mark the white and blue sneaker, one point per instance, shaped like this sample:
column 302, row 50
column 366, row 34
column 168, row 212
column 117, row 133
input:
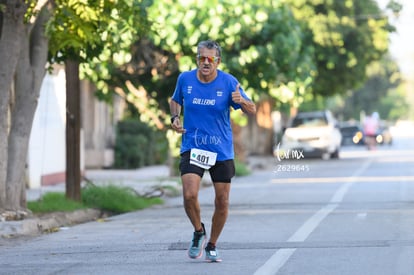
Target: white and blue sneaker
column 212, row 254
column 196, row 247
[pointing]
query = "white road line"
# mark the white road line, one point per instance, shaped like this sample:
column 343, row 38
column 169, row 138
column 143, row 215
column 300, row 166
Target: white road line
column 340, row 193
column 281, row 256
column 304, row 231
column 275, row 262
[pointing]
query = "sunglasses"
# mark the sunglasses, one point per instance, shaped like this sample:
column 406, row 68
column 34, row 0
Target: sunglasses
column 211, row 59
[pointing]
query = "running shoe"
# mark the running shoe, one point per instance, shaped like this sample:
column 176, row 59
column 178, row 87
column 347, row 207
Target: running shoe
column 196, row 247
column 212, row 254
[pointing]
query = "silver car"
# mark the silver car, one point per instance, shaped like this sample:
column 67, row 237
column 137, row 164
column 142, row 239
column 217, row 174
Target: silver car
column 313, row 134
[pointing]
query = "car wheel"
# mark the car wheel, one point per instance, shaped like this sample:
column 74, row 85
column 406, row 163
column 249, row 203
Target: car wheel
column 335, row 155
column 326, row 156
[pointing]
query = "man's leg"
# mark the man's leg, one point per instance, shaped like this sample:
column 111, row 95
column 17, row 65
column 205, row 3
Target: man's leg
column 221, row 210
column 221, row 202
column 191, row 186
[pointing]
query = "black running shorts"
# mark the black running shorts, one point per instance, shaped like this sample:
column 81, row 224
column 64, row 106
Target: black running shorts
column 222, row 171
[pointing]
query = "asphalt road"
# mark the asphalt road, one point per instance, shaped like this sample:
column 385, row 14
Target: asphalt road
column 354, row 215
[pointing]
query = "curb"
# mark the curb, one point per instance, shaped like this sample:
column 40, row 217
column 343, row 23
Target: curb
column 47, row 223
column 53, row 222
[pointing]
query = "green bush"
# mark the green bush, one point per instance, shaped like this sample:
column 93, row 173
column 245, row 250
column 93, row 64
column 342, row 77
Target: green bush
column 241, row 168
column 111, row 198
column 138, row 145
column 116, row 199
column 54, row 202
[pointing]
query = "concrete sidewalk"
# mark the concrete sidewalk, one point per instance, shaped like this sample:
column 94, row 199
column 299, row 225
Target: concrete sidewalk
column 152, row 181
column 142, row 180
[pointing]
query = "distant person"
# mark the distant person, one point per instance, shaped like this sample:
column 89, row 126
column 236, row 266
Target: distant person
column 206, row 95
column 371, row 125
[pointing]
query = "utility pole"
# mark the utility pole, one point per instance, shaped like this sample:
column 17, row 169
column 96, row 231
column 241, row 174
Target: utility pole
column 73, row 125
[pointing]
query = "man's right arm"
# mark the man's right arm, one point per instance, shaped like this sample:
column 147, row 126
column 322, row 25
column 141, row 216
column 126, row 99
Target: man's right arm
column 175, row 110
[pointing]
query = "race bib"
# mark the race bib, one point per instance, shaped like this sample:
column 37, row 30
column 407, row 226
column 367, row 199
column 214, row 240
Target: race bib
column 202, row 158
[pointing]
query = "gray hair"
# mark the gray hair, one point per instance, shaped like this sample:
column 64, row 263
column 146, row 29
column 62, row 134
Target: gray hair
column 209, row 44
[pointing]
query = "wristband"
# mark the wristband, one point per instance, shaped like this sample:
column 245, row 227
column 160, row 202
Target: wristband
column 173, row 118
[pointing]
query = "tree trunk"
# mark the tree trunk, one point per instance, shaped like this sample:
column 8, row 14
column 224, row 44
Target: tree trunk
column 73, row 121
column 30, row 72
column 12, row 28
column 259, row 134
column 238, row 142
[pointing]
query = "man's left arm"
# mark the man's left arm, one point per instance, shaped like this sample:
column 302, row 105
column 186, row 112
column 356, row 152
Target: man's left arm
column 247, row 106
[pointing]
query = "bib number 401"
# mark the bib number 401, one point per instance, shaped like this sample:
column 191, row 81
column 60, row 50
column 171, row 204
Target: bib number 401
column 202, row 158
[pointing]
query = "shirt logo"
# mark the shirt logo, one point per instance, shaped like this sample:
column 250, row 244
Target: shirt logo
column 204, row 101
column 189, row 89
column 219, row 92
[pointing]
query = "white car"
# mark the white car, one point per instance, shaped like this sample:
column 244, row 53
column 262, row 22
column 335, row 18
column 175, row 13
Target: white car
column 314, row 134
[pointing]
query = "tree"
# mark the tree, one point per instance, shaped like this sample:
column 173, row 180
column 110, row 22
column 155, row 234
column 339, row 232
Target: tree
column 11, row 25
column 378, row 93
column 23, row 51
column 278, row 56
column 77, row 32
column 262, row 46
column 347, row 36
column 80, row 32
column 262, row 42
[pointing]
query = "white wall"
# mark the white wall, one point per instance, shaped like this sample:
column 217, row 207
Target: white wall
column 46, row 155
column 46, row 161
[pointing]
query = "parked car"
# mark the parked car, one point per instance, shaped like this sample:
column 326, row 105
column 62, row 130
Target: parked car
column 352, row 134
column 313, row 134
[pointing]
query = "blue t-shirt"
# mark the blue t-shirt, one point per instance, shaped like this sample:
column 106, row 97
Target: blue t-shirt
column 206, row 108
